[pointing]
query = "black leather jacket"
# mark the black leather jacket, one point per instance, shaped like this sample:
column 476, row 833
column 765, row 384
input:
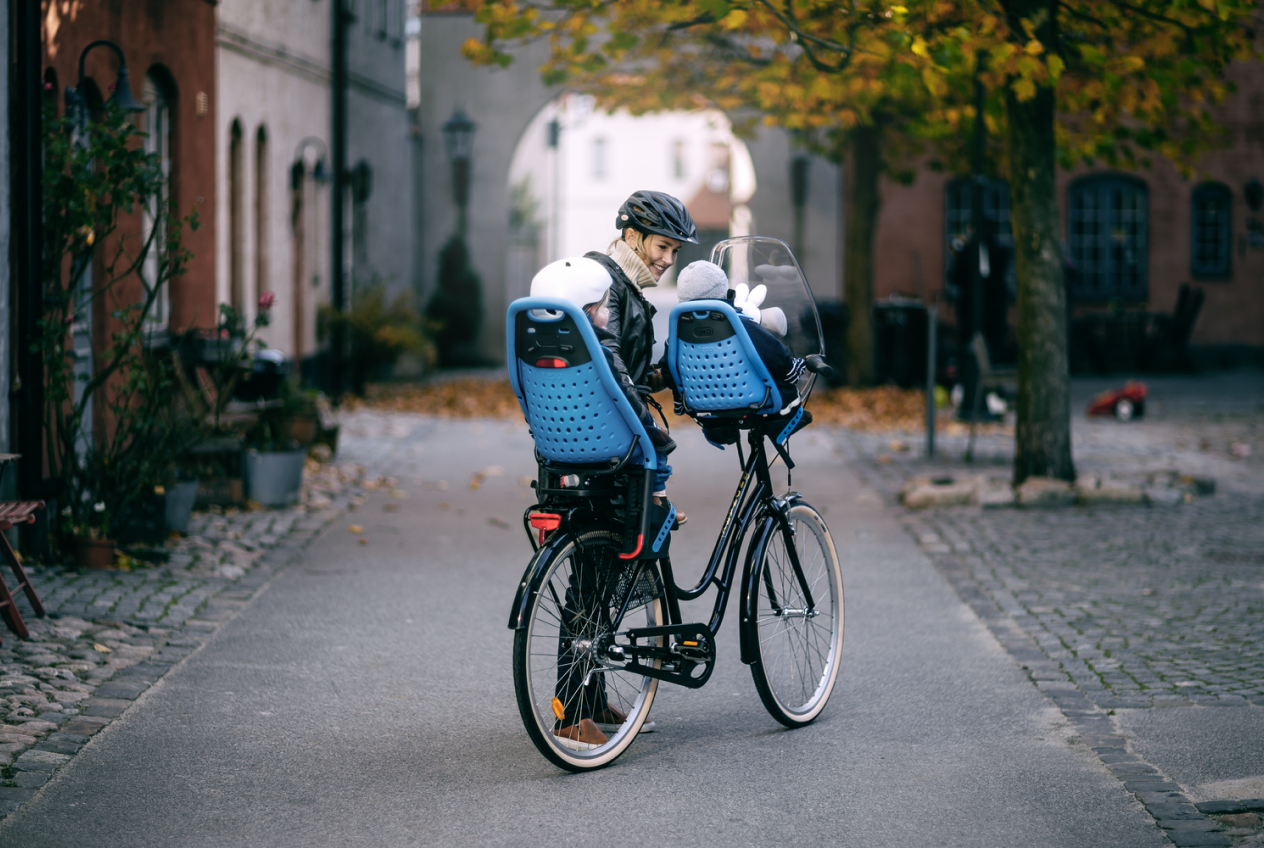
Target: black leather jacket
column 631, row 327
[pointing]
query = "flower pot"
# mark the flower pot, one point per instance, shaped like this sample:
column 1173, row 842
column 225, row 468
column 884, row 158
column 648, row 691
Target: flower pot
column 94, row 553
column 180, row 498
column 303, row 429
column 273, row 478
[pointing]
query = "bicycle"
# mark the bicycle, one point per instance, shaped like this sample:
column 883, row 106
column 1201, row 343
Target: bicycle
column 597, row 615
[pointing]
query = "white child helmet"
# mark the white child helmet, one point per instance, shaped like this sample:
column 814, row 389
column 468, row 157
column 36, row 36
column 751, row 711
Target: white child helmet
column 579, row 280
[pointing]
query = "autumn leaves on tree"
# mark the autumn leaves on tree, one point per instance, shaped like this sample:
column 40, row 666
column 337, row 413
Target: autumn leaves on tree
column 886, row 86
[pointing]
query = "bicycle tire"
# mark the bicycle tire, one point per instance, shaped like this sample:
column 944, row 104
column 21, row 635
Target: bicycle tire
column 573, row 603
column 797, row 654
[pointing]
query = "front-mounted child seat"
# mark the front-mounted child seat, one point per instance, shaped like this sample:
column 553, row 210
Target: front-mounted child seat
column 577, row 412
column 714, row 363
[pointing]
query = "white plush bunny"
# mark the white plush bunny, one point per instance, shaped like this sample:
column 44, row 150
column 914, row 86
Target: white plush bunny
column 748, row 301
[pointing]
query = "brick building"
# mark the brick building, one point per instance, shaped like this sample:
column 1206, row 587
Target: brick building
column 170, row 51
column 1133, row 238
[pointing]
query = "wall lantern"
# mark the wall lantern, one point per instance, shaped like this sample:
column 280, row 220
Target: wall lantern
column 458, row 140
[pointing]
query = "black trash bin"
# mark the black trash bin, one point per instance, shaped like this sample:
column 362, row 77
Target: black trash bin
column 899, row 340
column 834, row 334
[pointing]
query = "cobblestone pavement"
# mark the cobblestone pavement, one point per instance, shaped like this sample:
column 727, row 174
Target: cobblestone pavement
column 1117, row 607
column 110, row 635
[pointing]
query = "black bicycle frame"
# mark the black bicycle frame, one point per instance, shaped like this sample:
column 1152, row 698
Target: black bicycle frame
column 751, row 501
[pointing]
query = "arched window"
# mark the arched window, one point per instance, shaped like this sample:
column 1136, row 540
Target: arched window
column 958, row 223
column 262, row 281
column 156, row 94
column 236, row 226
column 1211, row 236
column 1108, row 225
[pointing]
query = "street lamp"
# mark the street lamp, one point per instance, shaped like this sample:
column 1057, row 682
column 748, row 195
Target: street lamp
column 77, row 104
column 299, row 168
column 799, row 198
column 458, row 140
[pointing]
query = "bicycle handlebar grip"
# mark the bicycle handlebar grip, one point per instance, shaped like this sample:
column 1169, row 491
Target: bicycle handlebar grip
column 817, row 364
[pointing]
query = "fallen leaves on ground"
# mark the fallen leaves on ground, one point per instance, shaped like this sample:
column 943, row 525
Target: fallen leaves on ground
column 878, row 409
column 460, row 398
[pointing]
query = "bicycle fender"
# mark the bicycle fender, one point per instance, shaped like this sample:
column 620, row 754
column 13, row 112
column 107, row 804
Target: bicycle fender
column 530, row 583
column 748, row 605
column 751, row 573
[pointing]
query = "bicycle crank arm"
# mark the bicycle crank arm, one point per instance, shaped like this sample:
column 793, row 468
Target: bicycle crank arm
column 687, row 659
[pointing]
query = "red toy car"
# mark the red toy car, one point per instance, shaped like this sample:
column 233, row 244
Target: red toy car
column 1125, row 404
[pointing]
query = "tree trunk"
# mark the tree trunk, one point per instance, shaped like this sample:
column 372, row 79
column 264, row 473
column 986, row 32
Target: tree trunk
column 1043, row 438
column 862, row 202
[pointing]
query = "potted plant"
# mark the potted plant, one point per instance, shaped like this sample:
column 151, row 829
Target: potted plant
column 115, row 423
column 273, row 463
column 90, row 536
column 379, row 330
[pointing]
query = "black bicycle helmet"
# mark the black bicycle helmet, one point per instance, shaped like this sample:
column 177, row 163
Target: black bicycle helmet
column 657, row 213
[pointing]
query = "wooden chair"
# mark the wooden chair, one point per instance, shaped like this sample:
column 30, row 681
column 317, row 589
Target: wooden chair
column 11, row 513
column 989, row 378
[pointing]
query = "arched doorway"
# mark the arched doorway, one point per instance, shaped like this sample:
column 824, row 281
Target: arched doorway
column 574, row 165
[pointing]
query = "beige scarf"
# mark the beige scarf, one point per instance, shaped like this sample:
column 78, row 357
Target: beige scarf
column 631, row 263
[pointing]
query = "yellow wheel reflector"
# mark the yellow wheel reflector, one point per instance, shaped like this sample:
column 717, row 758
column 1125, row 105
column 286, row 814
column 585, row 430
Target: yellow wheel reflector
column 558, row 710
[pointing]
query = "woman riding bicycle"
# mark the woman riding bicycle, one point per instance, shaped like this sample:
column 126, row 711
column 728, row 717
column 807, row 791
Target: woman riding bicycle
column 653, row 225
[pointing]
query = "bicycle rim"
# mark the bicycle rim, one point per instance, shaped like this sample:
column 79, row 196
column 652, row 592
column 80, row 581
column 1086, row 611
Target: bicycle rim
column 561, row 673
column 798, row 647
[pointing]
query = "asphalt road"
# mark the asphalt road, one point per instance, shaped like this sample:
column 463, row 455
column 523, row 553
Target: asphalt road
column 365, row 697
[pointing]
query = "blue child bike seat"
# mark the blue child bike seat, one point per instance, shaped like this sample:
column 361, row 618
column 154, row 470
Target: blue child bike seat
column 714, row 363
column 572, row 401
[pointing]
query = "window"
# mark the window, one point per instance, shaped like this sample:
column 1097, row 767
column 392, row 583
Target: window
column 1211, row 238
column 236, row 228
column 1107, row 222
column 599, row 159
column 157, row 128
column 678, row 159
column 262, row 281
column 958, row 212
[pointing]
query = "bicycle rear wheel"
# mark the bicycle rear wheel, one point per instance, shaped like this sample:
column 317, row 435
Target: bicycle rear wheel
column 567, row 680
column 799, row 645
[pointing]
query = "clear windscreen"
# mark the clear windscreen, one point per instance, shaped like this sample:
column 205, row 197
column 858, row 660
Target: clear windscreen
column 755, row 261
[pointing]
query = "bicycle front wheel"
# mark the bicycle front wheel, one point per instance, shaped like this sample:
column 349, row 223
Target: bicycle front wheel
column 580, row 708
column 799, row 643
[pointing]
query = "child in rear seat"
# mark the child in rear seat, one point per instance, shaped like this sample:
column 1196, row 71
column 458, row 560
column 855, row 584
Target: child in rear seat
column 704, row 280
column 585, row 283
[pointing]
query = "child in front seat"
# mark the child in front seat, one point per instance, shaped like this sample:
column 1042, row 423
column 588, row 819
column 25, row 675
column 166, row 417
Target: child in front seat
column 704, row 280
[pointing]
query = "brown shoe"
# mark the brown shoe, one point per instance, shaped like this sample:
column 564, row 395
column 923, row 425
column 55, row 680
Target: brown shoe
column 612, row 718
column 681, row 518
column 581, row 737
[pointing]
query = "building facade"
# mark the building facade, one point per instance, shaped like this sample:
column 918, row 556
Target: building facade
column 273, row 131
column 1133, row 239
column 169, row 49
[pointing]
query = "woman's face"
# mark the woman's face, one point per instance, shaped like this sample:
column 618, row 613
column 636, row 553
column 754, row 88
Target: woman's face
column 658, row 252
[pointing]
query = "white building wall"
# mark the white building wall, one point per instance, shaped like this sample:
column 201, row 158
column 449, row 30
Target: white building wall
column 272, row 67
column 378, row 133
column 273, row 64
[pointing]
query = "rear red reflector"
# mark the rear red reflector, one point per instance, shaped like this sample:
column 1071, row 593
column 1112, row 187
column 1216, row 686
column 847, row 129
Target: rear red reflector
column 545, row 521
column 551, row 362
